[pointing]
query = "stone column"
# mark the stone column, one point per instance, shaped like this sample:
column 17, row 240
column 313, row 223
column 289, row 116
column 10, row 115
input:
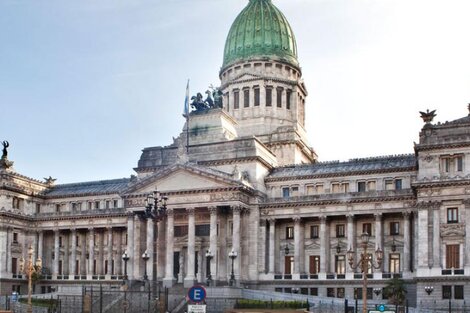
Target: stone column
column 91, row 251
column 55, row 270
column 236, row 210
column 467, row 237
column 272, row 245
column 323, row 248
column 351, row 239
column 436, row 240
column 119, row 252
column 222, row 260
column 110, row 251
column 100, row 263
column 378, row 236
column 169, row 279
column 83, row 253
column 213, row 241
column 73, row 257
column 149, row 247
column 161, row 245
column 129, row 247
column 3, row 251
column 297, row 239
column 190, row 277
column 406, row 242
column 40, row 244
column 137, row 262
column 423, row 244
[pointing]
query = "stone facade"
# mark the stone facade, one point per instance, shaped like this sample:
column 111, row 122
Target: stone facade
column 249, row 182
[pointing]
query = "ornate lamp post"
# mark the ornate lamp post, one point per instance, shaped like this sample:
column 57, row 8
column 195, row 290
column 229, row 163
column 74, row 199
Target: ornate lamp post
column 365, row 263
column 30, row 268
column 125, row 258
column 145, row 257
column 155, row 207
column 209, row 257
column 232, row 255
column 377, row 291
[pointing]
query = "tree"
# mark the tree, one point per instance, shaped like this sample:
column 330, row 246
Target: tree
column 395, row 291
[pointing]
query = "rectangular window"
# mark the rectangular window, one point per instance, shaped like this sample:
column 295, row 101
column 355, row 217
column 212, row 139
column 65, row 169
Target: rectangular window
column 15, row 237
column 367, row 228
column 285, row 192
column 394, row 228
column 446, row 292
column 361, row 186
column 319, row 188
column 288, row 265
column 108, row 204
column 57, row 208
column 90, row 205
column 398, row 184
column 340, row 231
column 335, row 188
column 246, row 98
column 295, row 191
column 314, row 264
column 459, row 161
column 257, row 100
column 203, row 230
column 452, row 256
column 289, row 232
column 314, row 291
column 389, row 184
column 340, row 264
column 330, row 292
column 288, row 99
column 371, row 185
column 279, row 97
column 458, row 292
column 60, row 241
column 394, row 263
column 97, row 205
column 181, row 231
column 310, row 190
column 236, row 99
column 115, row 203
column 452, row 215
column 314, row 233
column 340, row 292
column 38, row 208
column 269, row 97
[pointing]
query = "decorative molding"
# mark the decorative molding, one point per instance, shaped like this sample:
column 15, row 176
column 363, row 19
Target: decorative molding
column 452, row 230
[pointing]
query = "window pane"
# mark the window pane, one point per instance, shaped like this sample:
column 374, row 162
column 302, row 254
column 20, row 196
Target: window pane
column 458, row 292
column 256, row 96
column 236, row 99
column 269, row 97
column 246, row 98
column 446, row 292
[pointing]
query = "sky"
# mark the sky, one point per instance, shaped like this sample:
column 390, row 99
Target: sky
column 86, row 85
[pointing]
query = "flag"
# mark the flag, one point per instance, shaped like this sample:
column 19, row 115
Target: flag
column 186, row 101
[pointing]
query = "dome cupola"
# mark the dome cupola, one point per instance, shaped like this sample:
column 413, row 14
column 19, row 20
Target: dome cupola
column 260, row 31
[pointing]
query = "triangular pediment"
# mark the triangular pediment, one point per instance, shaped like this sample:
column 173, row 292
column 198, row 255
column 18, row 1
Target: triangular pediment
column 182, row 177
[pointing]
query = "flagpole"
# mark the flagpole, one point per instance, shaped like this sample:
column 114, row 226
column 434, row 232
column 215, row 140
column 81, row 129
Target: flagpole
column 186, row 109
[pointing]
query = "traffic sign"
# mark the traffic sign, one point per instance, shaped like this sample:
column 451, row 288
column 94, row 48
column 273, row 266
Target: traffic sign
column 197, row 294
column 196, row 308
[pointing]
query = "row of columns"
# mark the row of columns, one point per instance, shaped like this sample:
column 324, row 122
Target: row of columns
column 325, row 242
column 88, row 250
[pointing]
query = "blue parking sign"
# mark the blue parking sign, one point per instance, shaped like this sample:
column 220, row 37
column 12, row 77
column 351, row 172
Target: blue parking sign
column 197, row 294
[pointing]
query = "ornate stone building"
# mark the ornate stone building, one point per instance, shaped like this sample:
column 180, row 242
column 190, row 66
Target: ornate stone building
column 249, row 182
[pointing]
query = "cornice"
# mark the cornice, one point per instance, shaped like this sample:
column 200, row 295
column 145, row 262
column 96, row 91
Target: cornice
column 440, row 183
column 340, row 174
column 427, row 147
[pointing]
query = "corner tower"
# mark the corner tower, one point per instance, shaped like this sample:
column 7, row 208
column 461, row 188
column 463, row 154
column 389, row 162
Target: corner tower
column 262, row 82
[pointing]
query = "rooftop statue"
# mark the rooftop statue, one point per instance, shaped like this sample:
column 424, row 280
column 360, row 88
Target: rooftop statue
column 428, row 116
column 213, row 100
column 5, row 151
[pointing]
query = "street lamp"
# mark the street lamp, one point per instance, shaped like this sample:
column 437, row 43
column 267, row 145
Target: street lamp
column 365, row 263
column 29, row 269
column 145, row 257
column 429, row 289
column 125, row 258
column 232, row 255
column 155, row 207
column 377, row 291
column 209, row 257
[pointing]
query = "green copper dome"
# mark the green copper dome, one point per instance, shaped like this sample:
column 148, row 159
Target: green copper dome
column 260, row 30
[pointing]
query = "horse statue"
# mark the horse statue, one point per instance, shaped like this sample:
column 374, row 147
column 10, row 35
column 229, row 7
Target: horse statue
column 209, row 102
column 197, row 103
column 217, row 96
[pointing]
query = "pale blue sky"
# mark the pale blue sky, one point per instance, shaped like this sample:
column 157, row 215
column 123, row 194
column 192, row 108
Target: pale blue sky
column 85, row 85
